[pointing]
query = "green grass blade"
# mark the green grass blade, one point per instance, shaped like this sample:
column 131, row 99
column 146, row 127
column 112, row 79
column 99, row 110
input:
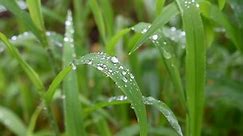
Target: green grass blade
column 12, row 121
column 110, row 46
column 159, row 6
column 109, row 16
column 124, row 80
column 34, row 77
column 72, row 108
column 168, row 56
column 162, row 107
column 34, row 7
column 23, row 16
column 195, row 64
column 33, row 120
column 55, row 83
column 221, row 4
column 165, row 16
column 98, row 18
column 213, row 12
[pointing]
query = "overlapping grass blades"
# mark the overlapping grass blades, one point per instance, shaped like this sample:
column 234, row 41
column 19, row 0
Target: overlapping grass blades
column 168, row 12
column 12, row 121
column 162, row 107
column 168, row 56
column 124, row 80
column 72, row 107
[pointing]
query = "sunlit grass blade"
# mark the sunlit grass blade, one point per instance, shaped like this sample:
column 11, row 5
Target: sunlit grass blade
column 162, row 107
column 195, row 65
column 213, row 12
column 221, row 4
column 110, row 46
column 34, row 77
column 23, row 16
column 12, row 121
column 124, row 80
column 98, row 18
column 168, row 12
column 168, row 56
column 72, row 107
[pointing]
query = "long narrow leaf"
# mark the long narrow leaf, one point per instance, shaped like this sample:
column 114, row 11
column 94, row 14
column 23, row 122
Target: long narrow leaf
column 124, row 80
column 72, row 108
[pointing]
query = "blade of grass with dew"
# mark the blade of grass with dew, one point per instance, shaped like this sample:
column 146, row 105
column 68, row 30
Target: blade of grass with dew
column 72, row 108
column 159, row 6
column 110, row 46
column 195, row 64
column 23, row 16
column 98, row 18
column 34, row 77
column 168, row 57
column 162, row 107
column 213, row 12
column 168, row 12
column 124, row 80
column 12, row 121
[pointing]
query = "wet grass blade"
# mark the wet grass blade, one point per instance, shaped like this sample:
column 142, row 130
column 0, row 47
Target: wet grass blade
column 162, row 107
column 23, row 16
column 98, row 18
column 195, row 64
column 34, row 77
column 72, row 107
column 168, row 12
column 124, row 80
column 168, row 56
column 12, row 121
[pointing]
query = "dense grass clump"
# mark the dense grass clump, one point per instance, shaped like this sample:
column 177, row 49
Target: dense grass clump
column 123, row 68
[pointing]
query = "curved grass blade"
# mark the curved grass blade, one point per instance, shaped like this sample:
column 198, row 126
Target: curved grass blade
column 12, row 121
column 110, row 46
column 98, row 18
column 124, row 80
column 168, row 12
column 168, row 56
column 162, row 107
column 72, row 108
column 34, row 77
column 195, row 64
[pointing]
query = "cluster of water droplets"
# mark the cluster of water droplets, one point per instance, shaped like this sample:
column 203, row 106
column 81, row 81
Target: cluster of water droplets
column 69, row 29
column 175, row 35
column 118, row 98
column 189, row 3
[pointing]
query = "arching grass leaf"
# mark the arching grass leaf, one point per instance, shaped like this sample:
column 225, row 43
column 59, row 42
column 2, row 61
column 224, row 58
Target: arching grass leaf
column 124, row 80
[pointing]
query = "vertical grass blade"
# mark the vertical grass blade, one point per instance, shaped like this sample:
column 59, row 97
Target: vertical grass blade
column 34, row 7
column 34, row 77
column 12, row 121
column 72, row 107
column 98, row 18
column 124, row 80
column 159, row 6
column 195, row 64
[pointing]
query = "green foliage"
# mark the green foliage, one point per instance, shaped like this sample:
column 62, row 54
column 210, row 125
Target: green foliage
column 190, row 68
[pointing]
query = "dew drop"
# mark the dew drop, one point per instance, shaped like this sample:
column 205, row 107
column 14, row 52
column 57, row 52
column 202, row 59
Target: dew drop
column 121, row 67
column 114, row 60
column 124, row 79
column 14, row 38
column 197, row 5
column 144, row 30
column 66, row 39
column 131, row 76
column 100, row 68
column 166, row 54
column 124, row 73
column 74, row 66
column 155, row 37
